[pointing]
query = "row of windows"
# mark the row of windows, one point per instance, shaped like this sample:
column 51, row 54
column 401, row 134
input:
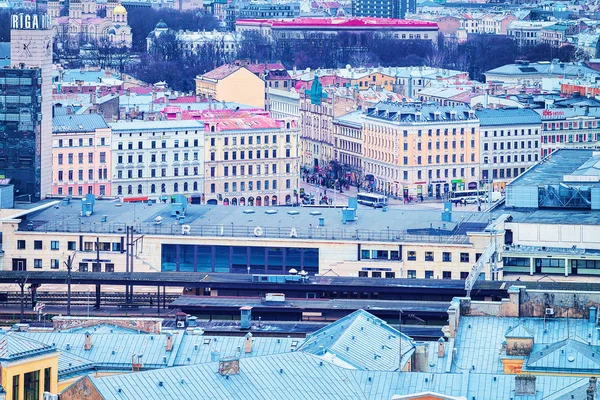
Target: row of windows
column 154, row 158
column 251, row 140
column 509, row 159
column 429, row 256
column 81, row 142
column 500, row 146
column 412, row 274
column 31, row 384
column 242, row 154
column 164, row 133
column 80, row 190
column 570, row 125
column 71, row 245
column 185, row 171
column 379, row 255
column 251, row 168
column 153, row 143
column 496, row 133
column 102, row 174
column 163, row 188
column 570, row 138
column 80, row 158
column 393, row 173
column 258, row 185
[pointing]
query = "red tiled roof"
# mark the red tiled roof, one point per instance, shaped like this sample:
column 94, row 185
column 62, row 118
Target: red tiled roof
column 260, row 68
column 221, row 72
column 341, row 22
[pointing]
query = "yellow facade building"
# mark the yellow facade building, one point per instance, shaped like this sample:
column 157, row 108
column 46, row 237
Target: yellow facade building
column 234, row 83
column 29, row 368
column 420, row 149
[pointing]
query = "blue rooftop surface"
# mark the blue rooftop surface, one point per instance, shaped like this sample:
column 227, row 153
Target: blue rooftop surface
column 480, row 339
column 78, row 123
column 519, row 331
column 569, row 355
column 14, row 347
column 553, row 167
column 300, row 376
column 508, row 116
column 543, row 69
column 407, row 113
column 361, row 341
column 154, row 125
column 353, row 119
column 72, row 365
column 72, row 75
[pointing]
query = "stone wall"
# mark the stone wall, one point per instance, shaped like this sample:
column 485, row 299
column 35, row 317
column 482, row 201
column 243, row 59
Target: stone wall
column 148, row 325
column 82, row 389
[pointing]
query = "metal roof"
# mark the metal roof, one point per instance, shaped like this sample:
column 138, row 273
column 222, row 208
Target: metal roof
column 508, row 116
column 361, row 341
column 156, row 125
column 78, row 123
column 15, row 347
column 518, row 331
column 569, row 355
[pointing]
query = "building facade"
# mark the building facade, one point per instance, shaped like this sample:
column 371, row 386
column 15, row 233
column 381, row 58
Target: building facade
column 26, row 151
column 83, row 25
column 284, row 103
column 300, row 28
column 232, row 82
column 318, row 108
column 347, row 139
column 421, row 149
column 81, row 156
column 156, row 159
column 577, row 127
column 527, row 33
column 509, row 143
column 251, row 160
column 383, row 8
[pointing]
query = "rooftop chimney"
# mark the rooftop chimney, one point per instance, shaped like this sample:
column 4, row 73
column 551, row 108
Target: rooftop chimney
column 87, row 345
column 441, row 348
column 591, row 390
column 229, row 366
column 525, row 385
column 248, row 343
column 169, row 344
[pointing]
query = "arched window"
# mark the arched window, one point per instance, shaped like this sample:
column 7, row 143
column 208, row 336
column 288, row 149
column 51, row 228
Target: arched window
column 153, row 188
column 129, row 189
column 139, row 189
column 119, row 190
column 176, row 187
column 195, row 186
column 163, row 188
column 185, row 186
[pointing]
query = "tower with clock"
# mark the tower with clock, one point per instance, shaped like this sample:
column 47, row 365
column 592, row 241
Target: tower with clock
column 31, row 38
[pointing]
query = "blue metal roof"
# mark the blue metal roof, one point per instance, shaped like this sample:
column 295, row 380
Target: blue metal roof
column 569, row 355
column 508, row 116
column 362, row 341
column 518, row 331
column 78, row 123
column 14, row 347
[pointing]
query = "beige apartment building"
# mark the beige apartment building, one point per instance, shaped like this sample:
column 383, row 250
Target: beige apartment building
column 318, row 109
column 250, row 159
column 420, row 149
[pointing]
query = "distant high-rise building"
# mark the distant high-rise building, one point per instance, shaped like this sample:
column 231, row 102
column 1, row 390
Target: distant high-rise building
column 26, row 108
column 383, row 8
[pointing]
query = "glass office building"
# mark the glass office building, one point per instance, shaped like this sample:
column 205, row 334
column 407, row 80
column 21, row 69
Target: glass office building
column 238, row 259
column 20, row 130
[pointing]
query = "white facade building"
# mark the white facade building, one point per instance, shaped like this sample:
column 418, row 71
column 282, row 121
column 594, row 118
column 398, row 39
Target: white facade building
column 158, row 158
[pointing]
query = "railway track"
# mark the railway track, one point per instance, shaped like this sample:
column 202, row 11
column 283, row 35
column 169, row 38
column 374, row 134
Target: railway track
column 82, row 298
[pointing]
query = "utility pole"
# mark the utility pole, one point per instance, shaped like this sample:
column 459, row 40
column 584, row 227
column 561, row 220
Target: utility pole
column 68, row 264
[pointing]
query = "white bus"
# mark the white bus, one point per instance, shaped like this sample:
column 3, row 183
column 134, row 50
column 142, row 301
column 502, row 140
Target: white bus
column 373, row 200
column 473, row 195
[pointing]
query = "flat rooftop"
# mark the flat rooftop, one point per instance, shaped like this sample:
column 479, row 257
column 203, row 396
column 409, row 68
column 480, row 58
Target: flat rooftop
column 271, row 222
column 555, row 166
column 551, row 216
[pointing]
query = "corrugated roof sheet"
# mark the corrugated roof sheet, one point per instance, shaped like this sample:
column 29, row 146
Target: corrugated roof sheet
column 508, row 116
column 362, row 341
column 14, row 346
column 78, row 123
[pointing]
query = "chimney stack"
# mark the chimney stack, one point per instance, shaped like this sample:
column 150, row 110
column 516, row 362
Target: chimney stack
column 441, row 348
column 87, row 345
column 248, row 343
column 591, row 390
column 525, row 385
column 169, row 343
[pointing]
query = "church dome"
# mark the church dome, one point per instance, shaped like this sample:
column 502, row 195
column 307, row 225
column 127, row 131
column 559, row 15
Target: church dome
column 119, row 9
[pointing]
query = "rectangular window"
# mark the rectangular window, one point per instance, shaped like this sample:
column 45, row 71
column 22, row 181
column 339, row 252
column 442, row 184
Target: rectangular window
column 54, row 245
column 47, row 376
column 446, row 274
column 83, row 267
column 37, row 263
column 54, row 263
column 411, row 274
column 429, row 256
column 411, row 256
column 15, row 387
column 464, row 257
column 428, row 274
column 21, row 245
column 37, row 245
column 446, row 256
